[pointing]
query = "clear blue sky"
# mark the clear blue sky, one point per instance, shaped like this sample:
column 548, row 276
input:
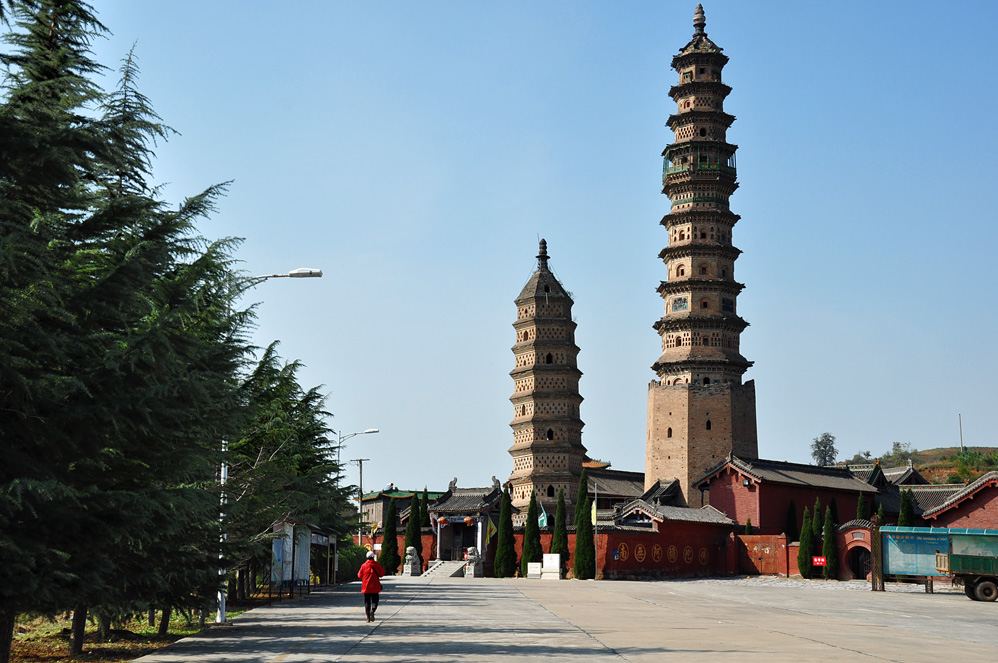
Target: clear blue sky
column 416, row 151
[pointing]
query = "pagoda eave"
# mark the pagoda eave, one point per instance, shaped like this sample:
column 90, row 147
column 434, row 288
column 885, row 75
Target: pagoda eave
column 687, row 322
column 683, row 216
column 688, row 89
column 699, row 249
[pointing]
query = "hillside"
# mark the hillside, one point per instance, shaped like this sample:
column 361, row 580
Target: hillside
column 948, row 465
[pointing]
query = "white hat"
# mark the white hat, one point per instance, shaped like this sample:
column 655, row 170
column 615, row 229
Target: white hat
column 370, row 554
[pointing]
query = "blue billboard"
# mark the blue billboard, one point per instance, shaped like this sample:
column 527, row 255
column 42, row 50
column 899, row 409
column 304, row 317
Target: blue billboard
column 911, row 551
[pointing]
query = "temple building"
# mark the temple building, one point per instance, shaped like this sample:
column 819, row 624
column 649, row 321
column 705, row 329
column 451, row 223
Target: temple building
column 699, row 411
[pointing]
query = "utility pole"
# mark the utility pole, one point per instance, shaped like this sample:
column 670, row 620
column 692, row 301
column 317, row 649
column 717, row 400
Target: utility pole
column 960, row 419
column 360, row 500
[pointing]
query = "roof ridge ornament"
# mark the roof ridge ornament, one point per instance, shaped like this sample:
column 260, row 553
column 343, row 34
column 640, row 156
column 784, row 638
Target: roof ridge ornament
column 700, row 20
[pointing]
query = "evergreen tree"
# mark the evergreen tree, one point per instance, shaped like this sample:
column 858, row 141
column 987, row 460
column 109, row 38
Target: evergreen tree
column 748, row 526
column 806, row 549
column 389, row 557
column 581, row 513
column 413, row 536
column 830, row 548
column 504, row 565
column 532, row 551
column 559, row 541
column 862, row 509
column 585, row 550
column 906, row 515
column 424, row 509
column 792, row 532
column 817, row 519
column 880, row 514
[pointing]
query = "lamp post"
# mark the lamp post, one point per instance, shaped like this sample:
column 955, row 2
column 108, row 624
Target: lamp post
column 360, row 501
column 301, row 272
column 340, row 438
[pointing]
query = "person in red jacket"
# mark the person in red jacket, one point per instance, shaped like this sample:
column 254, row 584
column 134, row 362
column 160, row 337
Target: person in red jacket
column 369, row 573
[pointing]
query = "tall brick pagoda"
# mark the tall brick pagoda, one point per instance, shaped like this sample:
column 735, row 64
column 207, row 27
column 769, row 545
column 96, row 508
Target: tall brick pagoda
column 698, row 409
column 547, row 446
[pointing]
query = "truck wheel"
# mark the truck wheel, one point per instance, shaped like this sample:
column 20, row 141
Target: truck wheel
column 986, row 590
column 970, row 589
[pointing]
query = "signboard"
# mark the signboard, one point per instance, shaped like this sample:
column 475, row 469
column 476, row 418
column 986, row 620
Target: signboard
column 910, row 552
column 819, row 561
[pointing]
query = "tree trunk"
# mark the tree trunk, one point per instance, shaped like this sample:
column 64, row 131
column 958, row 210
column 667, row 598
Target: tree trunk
column 152, row 616
column 79, row 629
column 164, row 621
column 103, row 627
column 7, row 620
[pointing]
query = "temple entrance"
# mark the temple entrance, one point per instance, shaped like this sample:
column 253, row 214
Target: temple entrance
column 860, row 563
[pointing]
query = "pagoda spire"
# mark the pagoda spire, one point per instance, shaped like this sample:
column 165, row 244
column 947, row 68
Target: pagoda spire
column 542, row 255
column 700, row 20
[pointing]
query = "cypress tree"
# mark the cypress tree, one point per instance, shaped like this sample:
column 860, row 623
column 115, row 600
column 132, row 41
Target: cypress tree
column 816, row 522
column 504, row 565
column 880, row 514
column 389, row 557
column 532, row 551
column 806, row 549
column 412, row 534
column 830, row 548
column 585, row 552
column 424, row 509
column 581, row 513
column 862, row 509
column 559, row 541
column 748, row 526
column 792, row 532
column 906, row 515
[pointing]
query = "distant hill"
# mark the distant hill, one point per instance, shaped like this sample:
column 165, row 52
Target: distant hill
column 948, row 465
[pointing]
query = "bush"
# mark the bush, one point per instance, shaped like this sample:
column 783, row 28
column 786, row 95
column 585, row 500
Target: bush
column 351, row 557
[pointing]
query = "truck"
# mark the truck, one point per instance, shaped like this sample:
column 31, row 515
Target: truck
column 968, row 556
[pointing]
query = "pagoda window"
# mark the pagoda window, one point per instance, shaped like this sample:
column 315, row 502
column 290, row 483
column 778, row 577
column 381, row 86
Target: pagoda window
column 682, row 235
column 680, row 271
column 550, row 434
column 550, row 491
column 703, row 132
column 549, row 359
column 703, row 268
column 727, row 305
column 706, row 342
column 547, row 288
column 703, row 235
column 708, row 421
column 668, row 433
column 707, row 381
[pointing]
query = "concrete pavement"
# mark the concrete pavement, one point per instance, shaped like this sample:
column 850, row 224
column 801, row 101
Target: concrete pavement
column 453, row 619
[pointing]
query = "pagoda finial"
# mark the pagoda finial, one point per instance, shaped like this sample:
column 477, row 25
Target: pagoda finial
column 542, row 255
column 699, row 20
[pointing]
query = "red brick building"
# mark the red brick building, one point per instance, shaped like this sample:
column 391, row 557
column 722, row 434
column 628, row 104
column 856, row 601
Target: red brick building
column 975, row 506
column 761, row 490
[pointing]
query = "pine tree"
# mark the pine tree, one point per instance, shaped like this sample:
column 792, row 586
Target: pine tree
column 906, row 515
column 862, row 509
column 806, row 549
column 389, row 557
column 532, row 551
column 585, row 551
column 559, row 541
column 830, row 548
column 413, row 536
column 748, row 526
column 504, row 565
column 581, row 513
column 792, row 532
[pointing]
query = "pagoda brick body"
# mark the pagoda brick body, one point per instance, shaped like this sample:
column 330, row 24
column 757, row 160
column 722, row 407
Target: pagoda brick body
column 547, row 446
column 699, row 410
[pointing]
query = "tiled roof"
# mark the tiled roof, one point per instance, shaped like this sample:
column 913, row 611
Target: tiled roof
column 400, row 494
column 932, row 497
column 620, row 483
column 468, row 501
column 706, row 514
column 963, row 492
column 906, row 475
column 663, row 492
column 856, row 524
column 794, row 474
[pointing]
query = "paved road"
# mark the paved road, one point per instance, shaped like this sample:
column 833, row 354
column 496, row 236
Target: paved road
column 451, row 619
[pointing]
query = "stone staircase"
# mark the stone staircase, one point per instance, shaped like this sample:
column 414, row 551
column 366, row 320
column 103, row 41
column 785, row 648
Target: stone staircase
column 439, row 569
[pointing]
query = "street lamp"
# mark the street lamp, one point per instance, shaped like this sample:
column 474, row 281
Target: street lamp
column 340, row 438
column 301, row 272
